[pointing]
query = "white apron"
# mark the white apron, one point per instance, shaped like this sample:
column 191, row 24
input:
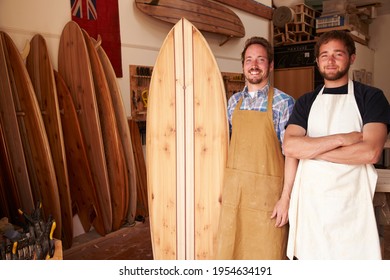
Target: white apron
column 331, row 212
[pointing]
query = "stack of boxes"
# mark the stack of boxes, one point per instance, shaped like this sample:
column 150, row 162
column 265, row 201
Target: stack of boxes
column 342, row 15
column 300, row 30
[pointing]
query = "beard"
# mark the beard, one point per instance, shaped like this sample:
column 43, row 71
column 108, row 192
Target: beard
column 334, row 76
column 254, row 81
column 258, row 78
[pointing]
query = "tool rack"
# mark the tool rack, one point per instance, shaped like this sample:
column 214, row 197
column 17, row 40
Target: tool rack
column 140, row 77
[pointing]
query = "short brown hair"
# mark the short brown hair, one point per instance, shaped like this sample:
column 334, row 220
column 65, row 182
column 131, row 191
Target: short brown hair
column 259, row 41
column 339, row 35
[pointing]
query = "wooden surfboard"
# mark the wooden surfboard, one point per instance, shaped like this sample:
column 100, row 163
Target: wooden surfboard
column 205, row 15
column 123, row 129
column 9, row 197
column 116, row 165
column 33, row 134
column 41, row 74
column 187, row 143
column 13, row 147
column 74, row 66
column 142, row 189
column 250, row 6
column 82, row 187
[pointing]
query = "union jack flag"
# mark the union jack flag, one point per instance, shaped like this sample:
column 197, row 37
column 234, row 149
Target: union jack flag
column 106, row 25
column 84, row 9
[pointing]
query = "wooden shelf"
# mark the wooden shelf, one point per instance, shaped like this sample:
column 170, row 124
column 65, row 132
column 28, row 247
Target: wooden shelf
column 345, row 28
column 234, row 82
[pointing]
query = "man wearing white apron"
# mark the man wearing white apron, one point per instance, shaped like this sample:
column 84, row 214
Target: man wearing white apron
column 336, row 133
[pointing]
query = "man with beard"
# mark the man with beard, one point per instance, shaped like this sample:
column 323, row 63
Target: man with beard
column 254, row 204
column 335, row 135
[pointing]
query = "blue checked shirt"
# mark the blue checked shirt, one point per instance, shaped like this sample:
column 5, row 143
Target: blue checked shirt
column 281, row 108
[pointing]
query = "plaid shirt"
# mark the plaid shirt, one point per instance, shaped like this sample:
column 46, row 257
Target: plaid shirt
column 281, row 108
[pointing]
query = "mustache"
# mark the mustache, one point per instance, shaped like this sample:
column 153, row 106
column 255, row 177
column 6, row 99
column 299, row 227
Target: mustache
column 254, row 68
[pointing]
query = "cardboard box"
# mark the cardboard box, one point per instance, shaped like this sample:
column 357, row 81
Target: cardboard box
column 350, row 21
column 334, row 7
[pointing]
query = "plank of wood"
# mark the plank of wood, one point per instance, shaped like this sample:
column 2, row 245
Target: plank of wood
column 205, row 15
column 74, row 66
column 113, row 149
column 187, row 142
column 123, row 130
column 33, row 134
column 40, row 69
column 250, row 6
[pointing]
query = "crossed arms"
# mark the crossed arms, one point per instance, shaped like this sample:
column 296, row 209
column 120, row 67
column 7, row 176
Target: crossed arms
column 346, row 148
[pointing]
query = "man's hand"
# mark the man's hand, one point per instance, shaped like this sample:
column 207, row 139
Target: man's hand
column 280, row 212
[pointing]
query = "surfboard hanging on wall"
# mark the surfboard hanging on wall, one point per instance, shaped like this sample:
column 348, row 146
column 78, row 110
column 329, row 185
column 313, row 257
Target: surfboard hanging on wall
column 203, row 14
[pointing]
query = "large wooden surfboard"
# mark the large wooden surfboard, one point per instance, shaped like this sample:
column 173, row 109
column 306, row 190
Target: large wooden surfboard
column 205, row 15
column 116, row 165
column 123, row 130
column 142, row 189
column 40, row 69
column 33, row 134
column 250, row 6
column 187, row 143
column 12, row 140
column 82, row 187
column 74, row 66
column 9, row 197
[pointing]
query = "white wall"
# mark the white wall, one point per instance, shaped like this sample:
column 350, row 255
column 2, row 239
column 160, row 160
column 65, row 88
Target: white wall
column 364, row 59
column 380, row 43
column 141, row 36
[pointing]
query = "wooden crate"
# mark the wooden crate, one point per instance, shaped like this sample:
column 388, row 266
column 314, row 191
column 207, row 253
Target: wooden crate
column 299, row 27
column 302, row 8
column 279, row 36
column 303, row 36
column 290, row 37
column 279, row 39
column 304, row 18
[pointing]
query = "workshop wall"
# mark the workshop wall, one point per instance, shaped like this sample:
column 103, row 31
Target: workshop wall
column 141, row 36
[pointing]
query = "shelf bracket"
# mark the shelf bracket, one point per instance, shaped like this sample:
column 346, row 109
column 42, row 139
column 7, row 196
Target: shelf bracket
column 226, row 40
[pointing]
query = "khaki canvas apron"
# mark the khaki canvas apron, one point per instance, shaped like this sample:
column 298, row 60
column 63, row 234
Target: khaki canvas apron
column 253, row 184
column 331, row 212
